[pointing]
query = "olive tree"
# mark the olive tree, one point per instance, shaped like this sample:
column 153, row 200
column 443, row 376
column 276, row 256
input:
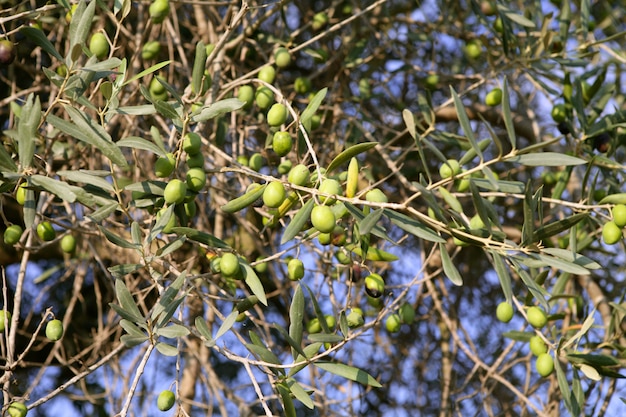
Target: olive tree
column 312, row 208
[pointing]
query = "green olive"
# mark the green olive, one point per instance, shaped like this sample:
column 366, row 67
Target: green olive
column 175, row 191
column 54, row 330
column 166, row 400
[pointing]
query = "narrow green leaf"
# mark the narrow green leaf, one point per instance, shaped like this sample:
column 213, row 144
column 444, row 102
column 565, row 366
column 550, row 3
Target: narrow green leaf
column 253, row 281
column 465, row 124
column 298, row 221
column 294, row 345
column 161, row 222
column 538, row 292
column 514, row 187
column 147, row 71
column 167, row 350
column 39, row 38
column 448, row 267
column 285, row 395
column 116, row 240
column 554, row 228
column 452, row 201
column 348, row 372
column 6, row 162
column 199, row 64
column 84, row 128
column 95, row 178
column 263, row 353
column 300, row 394
column 358, row 215
column 313, row 105
column 587, row 324
column 217, row 109
column 516, row 17
column 310, row 351
column 563, row 265
column 296, row 318
column 103, row 212
column 119, row 271
column 546, row 159
column 471, row 153
column 576, row 258
column 56, row 187
column 413, row 226
column 366, row 225
column 204, row 330
column 229, row 321
column 201, row 237
column 529, row 209
column 166, row 110
column 171, row 247
column 244, row 201
column 27, row 130
column 136, row 142
column 506, row 114
column 131, row 328
column 172, row 331
column 503, row 275
column 132, row 341
column 347, row 154
column 80, row 25
column 409, row 121
column 566, row 393
column 125, row 314
column 325, row 337
column 127, row 301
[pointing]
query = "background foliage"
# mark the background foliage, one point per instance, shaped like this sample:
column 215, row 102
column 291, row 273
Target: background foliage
column 398, row 87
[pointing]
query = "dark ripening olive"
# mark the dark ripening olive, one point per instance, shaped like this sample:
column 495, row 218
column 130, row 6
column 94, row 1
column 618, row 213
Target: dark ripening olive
column 7, row 52
column 602, row 142
column 564, row 128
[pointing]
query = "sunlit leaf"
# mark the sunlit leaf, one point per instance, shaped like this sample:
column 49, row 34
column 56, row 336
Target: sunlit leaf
column 413, row 226
column 546, row 159
column 448, row 267
column 297, row 223
column 347, row 154
column 165, row 349
column 348, row 372
column 217, row 109
column 252, row 280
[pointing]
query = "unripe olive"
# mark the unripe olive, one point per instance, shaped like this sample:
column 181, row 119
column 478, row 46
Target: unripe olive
column 323, row 219
column 299, row 175
column 99, row 45
column 450, row 168
column 282, row 143
column 196, row 179
column 619, row 215
column 195, row 161
column 314, row 326
column 376, row 195
column 544, row 364
column 285, row 166
column 277, row 114
column 229, row 264
column 473, row 49
column 504, row 312
column 166, row 400
column 407, row 313
column 392, row 324
column 264, row 97
column 611, row 233
column 20, row 194
column 246, row 95
column 267, row 74
column 164, row 165
column 494, row 97
column 302, row 85
column 150, row 50
column 559, row 113
column 175, row 191
column 374, row 285
column 295, row 269
column 192, row 143
column 274, row 194
column 355, row 318
column 12, row 234
column 4, row 314
column 17, row 409
column 159, row 10
column 282, row 57
column 256, row 162
column 330, row 186
column 537, row 345
column 537, row 317
column 330, row 321
column 68, row 244
column 54, row 330
column 45, row 231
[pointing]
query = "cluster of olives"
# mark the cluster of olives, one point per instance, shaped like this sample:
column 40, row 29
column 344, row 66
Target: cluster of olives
column 612, row 230
column 45, row 231
column 537, row 318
